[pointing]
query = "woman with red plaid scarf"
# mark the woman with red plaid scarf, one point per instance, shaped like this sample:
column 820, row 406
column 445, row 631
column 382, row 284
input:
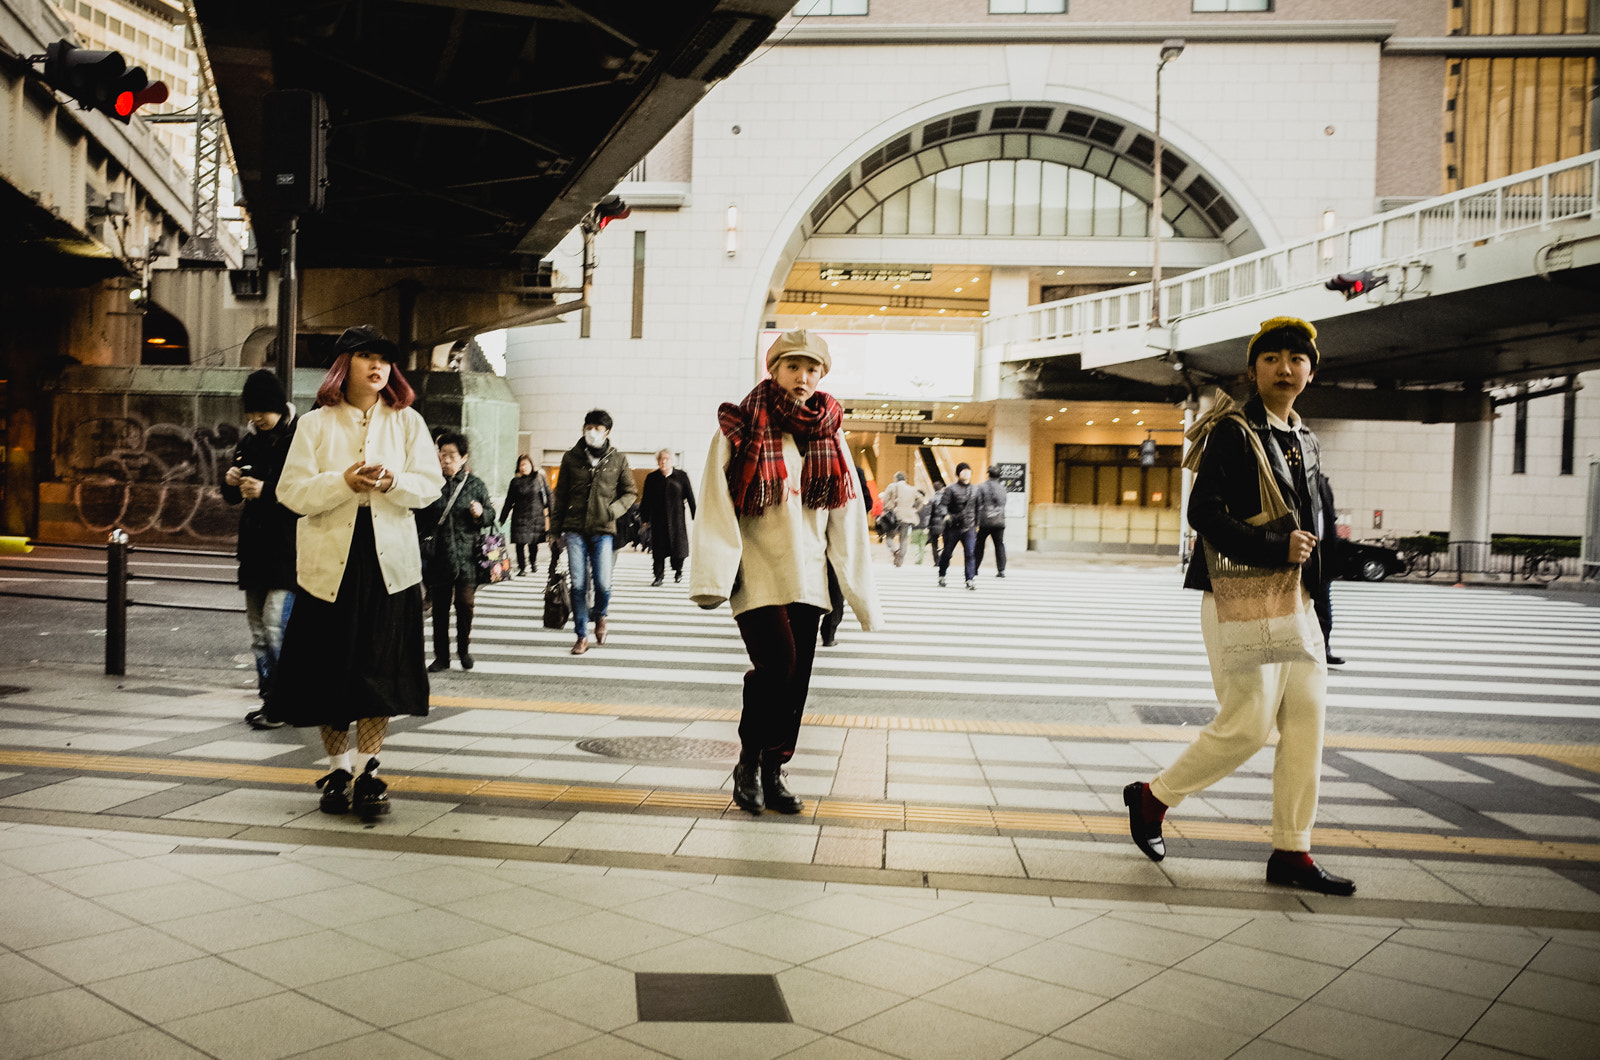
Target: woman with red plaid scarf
column 776, row 509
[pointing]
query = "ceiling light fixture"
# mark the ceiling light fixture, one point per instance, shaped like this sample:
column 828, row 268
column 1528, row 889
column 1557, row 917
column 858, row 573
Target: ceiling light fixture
column 1061, row 272
column 1047, row 419
column 1116, row 419
column 1089, row 424
column 958, row 290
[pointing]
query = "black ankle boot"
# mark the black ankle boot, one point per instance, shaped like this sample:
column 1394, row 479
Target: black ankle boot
column 371, row 794
column 778, row 797
column 335, row 792
column 747, row 782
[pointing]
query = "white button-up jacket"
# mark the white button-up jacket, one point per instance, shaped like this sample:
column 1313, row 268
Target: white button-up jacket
column 329, row 440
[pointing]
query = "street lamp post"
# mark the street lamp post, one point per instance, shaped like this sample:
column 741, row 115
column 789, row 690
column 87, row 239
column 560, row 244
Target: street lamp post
column 1170, row 50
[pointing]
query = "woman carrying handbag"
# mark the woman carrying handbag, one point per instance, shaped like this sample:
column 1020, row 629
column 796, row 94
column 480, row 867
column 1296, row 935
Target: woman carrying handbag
column 1257, row 505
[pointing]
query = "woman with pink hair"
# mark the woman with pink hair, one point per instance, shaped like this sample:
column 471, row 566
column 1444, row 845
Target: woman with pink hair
column 360, row 462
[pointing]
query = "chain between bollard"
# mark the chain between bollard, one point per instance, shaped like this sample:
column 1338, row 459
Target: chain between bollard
column 117, row 603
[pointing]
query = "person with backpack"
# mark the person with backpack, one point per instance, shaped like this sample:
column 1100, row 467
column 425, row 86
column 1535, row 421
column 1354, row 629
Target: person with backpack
column 266, row 528
column 992, row 521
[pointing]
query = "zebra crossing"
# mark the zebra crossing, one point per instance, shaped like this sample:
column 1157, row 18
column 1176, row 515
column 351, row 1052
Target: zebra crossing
column 1125, row 634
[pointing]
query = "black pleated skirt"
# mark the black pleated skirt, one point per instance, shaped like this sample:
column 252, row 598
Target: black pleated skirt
column 357, row 657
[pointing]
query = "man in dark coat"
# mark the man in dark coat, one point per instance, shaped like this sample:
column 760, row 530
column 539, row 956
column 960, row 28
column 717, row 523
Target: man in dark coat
column 528, row 504
column 666, row 491
column 266, row 528
column 453, row 573
column 594, row 488
column 961, row 524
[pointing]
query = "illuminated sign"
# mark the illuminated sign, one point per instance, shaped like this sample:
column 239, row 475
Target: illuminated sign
column 876, row 273
column 917, row 439
column 888, row 415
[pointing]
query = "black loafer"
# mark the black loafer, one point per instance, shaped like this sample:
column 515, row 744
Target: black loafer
column 1311, row 877
column 1146, row 834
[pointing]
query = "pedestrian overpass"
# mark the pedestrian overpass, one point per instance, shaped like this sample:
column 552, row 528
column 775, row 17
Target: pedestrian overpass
column 1500, row 282
column 1492, row 285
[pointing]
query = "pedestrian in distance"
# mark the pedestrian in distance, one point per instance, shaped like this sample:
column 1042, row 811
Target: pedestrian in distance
column 777, row 506
column 1226, row 509
column 936, row 521
column 904, row 500
column 528, row 504
column 359, row 464
column 457, row 518
column 266, row 528
column 991, row 521
column 960, row 524
column 594, row 488
column 666, row 491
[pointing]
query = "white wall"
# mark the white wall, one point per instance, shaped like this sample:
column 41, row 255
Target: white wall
column 1252, row 115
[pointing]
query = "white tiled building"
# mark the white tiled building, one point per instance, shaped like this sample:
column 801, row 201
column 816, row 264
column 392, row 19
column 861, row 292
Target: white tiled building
column 985, row 160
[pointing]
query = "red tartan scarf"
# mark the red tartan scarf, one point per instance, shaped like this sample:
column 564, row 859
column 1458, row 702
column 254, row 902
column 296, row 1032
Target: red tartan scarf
column 756, row 426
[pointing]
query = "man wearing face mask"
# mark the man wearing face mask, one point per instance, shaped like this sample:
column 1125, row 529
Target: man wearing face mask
column 593, row 488
column 961, row 524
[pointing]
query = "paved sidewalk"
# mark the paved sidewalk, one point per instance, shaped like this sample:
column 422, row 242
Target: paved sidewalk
column 954, row 889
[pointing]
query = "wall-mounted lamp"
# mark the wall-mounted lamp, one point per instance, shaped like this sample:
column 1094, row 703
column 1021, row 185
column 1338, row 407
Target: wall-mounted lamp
column 732, row 242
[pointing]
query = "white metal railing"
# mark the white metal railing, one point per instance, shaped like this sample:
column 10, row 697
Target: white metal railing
column 1483, row 213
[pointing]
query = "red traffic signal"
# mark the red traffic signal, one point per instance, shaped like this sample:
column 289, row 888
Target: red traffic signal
column 100, row 80
column 1352, row 284
column 609, row 209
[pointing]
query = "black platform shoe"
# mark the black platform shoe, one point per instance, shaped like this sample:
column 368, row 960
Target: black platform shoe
column 773, row 791
column 335, row 792
column 747, row 784
column 1146, row 833
column 371, row 794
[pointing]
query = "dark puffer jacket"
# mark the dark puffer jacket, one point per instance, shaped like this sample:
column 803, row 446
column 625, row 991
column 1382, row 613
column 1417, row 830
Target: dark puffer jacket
column 1227, row 491
column 590, row 499
column 960, row 507
column 527, row 502
column 455, row 558
column 266, row 528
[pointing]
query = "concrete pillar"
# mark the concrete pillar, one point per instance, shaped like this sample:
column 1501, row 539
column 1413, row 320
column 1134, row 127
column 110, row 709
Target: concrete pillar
column 1469, row 487
column 1011, row 442
column 1009, row 292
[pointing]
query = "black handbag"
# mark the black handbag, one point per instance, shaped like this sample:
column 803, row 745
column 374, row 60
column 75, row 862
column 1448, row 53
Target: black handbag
column 557, row 594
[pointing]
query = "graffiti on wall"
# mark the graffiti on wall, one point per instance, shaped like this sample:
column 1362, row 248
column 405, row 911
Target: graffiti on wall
column 162, row 478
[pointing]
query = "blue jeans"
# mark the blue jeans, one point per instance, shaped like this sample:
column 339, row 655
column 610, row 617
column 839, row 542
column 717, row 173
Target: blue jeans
column 267, row 612
column 586, row 556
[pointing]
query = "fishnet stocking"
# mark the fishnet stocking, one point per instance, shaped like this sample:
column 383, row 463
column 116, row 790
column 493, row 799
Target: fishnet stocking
column 369, row 737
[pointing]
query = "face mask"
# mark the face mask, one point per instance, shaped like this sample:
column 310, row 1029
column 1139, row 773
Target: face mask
column 595, row 437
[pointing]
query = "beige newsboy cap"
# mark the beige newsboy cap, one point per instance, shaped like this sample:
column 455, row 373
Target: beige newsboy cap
column 800, row 343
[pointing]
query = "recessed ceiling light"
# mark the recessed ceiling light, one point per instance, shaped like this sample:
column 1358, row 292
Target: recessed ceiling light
column 882, row 308
column 975, row 279
column 1061, row 272
column 950, row 415
column 1061, row 410
column 1136, row 412
column 941, row 310
column 955, row 406
column 1139, row 424
column 897, row 286
column 1116, row 419
column 1090, row 423
column 1133, row 272
column 824, row 305
column 958, row 290
column 834, row 284
column 985, row 312
column 813, row 312
column 1047, row 419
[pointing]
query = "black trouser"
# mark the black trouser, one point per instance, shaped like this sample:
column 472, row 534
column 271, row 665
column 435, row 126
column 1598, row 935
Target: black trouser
column 660, row 561
column 465, row 595
column 831, row 620
column 967, row 539
column 782, row 642
column 527, row 556
column 999, row 535
column 1322, row 602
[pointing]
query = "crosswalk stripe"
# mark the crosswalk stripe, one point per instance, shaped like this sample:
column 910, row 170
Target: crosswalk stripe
column 1126, row 634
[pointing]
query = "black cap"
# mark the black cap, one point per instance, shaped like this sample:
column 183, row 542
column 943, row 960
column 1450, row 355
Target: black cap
column 263, row 393
column 366, row 337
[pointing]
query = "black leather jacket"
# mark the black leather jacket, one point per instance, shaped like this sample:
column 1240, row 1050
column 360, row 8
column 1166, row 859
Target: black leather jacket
column 1227, row 492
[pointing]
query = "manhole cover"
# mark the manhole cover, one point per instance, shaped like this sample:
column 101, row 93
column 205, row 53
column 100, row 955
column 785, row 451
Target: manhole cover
column 11, row 690
column 659, row 748
column 1175, row 715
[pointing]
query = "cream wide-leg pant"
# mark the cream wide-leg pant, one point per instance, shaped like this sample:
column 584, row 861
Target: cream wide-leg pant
column 1291, row 696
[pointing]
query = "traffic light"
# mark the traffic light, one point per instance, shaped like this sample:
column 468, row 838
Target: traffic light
column 1355, row 283
column 609, row 209
column 100, row 80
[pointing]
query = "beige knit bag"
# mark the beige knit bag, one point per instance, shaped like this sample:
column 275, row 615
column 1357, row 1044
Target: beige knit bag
column 1263, row 613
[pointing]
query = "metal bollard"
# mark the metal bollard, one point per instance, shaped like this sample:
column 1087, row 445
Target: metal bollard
column 117, row 603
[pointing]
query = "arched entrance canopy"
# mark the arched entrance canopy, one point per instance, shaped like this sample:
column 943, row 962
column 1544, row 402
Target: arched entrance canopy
column 1034, row 169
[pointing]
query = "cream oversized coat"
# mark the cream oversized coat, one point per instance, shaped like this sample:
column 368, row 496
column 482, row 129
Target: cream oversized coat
column 780, row 556
column 330, row 439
